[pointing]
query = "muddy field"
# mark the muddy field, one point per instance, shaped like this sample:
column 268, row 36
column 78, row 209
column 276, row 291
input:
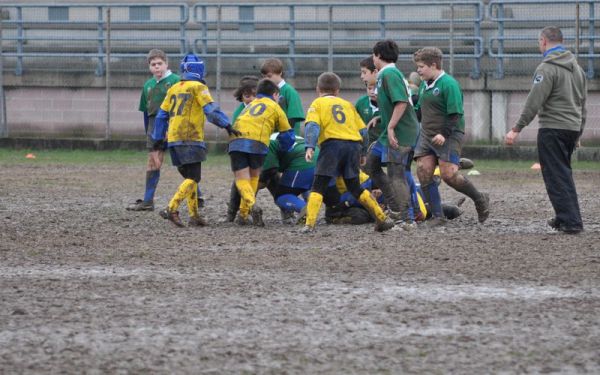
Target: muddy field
column 88, row 287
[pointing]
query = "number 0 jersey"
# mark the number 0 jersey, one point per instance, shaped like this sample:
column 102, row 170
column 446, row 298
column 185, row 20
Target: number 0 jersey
column 184, row 103
column 261, row 118
column 337, row 119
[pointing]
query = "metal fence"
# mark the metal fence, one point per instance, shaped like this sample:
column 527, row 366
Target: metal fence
column 312, row 37
column 497, row 39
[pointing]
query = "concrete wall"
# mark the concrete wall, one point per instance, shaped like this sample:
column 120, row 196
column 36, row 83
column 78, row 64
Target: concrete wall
column 79, row 110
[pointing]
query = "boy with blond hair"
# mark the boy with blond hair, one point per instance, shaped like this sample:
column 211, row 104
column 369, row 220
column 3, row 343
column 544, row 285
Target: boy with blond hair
column 336, row 127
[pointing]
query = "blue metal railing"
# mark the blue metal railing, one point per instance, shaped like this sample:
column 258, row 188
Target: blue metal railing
column 398, row 21
column 553, row 12
column 32, row 17
column 318, row 31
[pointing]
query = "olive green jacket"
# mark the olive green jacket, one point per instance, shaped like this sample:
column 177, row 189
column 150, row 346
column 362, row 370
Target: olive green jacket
column 558, row 94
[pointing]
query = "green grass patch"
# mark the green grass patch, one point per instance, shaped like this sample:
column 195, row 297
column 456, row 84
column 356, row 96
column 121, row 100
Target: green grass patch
column 87, row 157
column 127, row 157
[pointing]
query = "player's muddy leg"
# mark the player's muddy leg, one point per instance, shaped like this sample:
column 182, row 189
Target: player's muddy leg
column 461, row 184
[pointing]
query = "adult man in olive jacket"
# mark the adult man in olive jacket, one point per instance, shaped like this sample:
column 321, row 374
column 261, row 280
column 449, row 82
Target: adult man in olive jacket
column 558, row 99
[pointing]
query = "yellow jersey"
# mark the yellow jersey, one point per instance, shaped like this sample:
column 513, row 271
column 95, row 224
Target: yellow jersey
column 261, row 118
column 184, row 102
column 337, row 119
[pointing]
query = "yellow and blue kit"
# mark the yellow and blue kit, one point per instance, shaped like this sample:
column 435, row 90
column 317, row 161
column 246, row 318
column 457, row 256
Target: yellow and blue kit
column 186, row 107
column 331, row 117
column 261, row 118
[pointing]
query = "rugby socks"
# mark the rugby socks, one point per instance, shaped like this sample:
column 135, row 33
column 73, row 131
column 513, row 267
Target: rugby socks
column 152, row 178
column 245, row 188
column 187, row 187
column 254, row 184
column 192, row 200
column 288, row 202
column 312, row 208
column 467, row 188
column 371, row 205
column 432, row 196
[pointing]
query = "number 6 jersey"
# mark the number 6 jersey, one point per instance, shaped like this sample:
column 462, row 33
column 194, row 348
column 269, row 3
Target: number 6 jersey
column 337, row 118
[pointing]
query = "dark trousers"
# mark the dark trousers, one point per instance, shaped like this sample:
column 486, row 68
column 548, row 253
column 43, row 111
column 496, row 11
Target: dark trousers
column 555, row 147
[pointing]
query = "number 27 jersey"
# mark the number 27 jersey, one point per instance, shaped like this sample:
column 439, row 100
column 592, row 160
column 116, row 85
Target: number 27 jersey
column 337, row 119
column 185, row 102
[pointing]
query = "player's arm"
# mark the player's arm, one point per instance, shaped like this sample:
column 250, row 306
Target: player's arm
column 311, row 136
column 216, row 116
column 146, row 121
column 399, row 109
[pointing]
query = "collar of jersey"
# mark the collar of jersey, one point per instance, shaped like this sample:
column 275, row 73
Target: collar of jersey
column 280, row 84
column 167, row 73
column 259, row 96
column 427, row 87
column 390, row 65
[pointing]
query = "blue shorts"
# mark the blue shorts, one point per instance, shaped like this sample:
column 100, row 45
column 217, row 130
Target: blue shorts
column 241, row 160
column 448, row 152
column 379, row 150
column 298, row 179
column 339, row 158
column 187, row 154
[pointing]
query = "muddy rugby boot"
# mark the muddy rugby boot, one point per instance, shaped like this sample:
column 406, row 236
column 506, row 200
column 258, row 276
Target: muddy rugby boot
column 307, row 229
column 172, row 216
column 242, row 221
column 382, row 226
column 141, row 205
column 436, row 222
column 482, row 205
column 257, row 213
column 288, row 217
column 197, row 221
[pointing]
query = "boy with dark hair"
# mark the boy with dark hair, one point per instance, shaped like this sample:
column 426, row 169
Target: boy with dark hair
column 152, row 96
column 442, row 122
column 261, row 118
column 366, row 105
column 289, row 99
column 245, row 93
column 183, row 112
column 334, row 124
column 395, row 144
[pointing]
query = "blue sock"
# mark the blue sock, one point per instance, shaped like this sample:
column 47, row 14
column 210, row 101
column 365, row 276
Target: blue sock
column 288, row 202
column 432, row 196
column 152, row 178
column 414, row 202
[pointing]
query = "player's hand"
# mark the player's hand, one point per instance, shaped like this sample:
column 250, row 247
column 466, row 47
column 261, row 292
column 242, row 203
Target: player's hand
column 309, row 154
column 438, row 140
column 373, row 122
column 232, row 131
column 511, row 137
column 392, row 139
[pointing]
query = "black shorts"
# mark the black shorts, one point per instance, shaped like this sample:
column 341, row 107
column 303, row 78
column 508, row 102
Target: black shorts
column 241, row 160
column 448, row 152
column 181, row 155
column 149, row 140
column 339, row 158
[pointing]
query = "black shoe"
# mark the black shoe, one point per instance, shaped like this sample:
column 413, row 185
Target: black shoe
column 141, row 205
column 557, row 225
column 257, row 214
column 172, row 216
column 554, row 223
column 200, row 202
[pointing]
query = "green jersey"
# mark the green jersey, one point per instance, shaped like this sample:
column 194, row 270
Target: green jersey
column 237, row 112
column 392, row 88
column 292, row 160
column 367, row 110
column 437, row 101
column 154, row 93
column 290, row 102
